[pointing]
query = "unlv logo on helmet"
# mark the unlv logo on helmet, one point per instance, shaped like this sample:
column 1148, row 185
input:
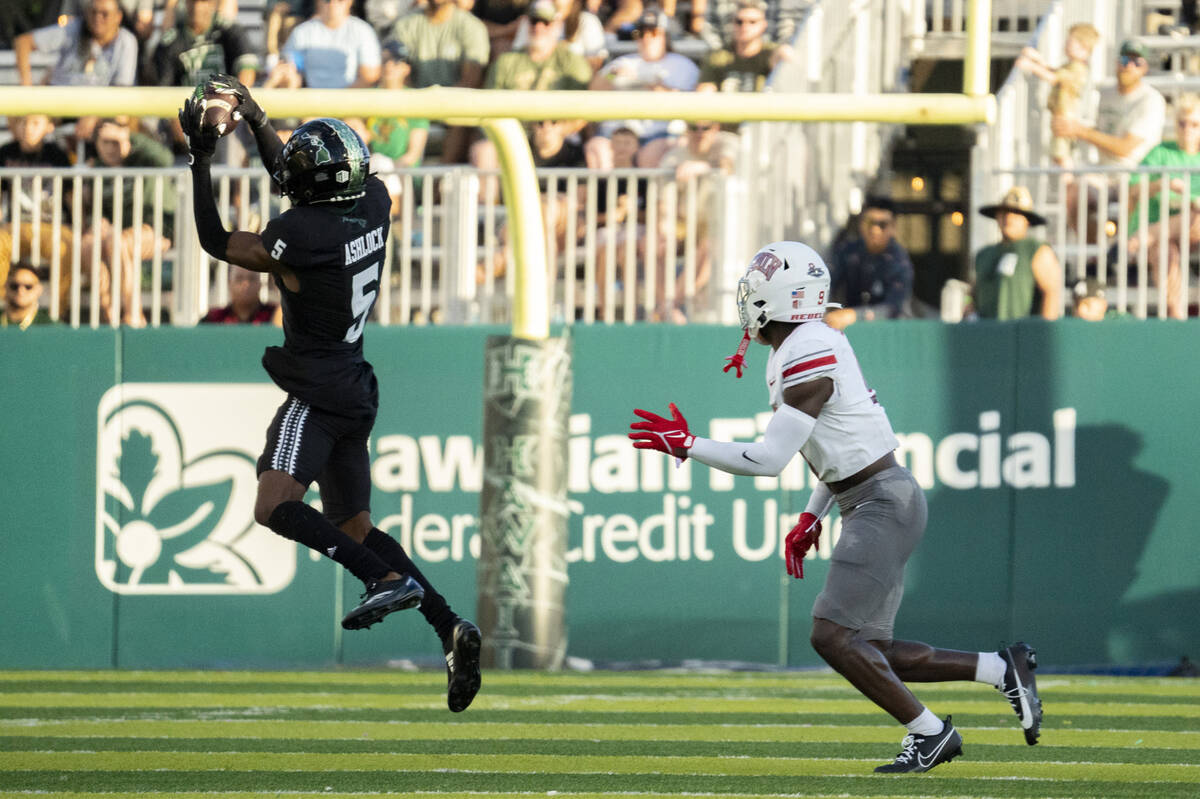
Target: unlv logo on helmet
column 814, row 270
column 765, row 262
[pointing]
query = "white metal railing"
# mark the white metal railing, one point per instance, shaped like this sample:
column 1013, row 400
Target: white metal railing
column 1107, row 239
column 74, row 221
column 950, row 16
column 647, row 253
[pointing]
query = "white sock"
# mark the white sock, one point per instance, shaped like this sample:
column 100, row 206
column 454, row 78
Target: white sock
column 925, row 724
column 990, row 669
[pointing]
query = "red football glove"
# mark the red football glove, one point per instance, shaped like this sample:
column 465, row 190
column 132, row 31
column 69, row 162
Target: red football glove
column 803, row 537
column 670, row 436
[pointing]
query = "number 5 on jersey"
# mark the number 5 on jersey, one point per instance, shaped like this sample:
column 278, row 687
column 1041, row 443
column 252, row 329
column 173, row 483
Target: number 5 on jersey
column 362, row 300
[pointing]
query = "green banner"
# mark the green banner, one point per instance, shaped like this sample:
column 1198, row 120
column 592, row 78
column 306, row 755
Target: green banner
column 1056, row 459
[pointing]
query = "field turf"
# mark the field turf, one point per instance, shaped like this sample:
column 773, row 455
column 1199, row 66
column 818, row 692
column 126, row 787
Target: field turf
column 641, row 734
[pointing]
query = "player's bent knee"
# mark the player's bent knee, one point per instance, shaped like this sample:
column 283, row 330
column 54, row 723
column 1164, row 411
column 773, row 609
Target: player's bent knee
column 274, row 488
column 357, row 526
column 829, row 639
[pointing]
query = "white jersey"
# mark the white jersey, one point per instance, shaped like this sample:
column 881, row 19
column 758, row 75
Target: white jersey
column 852, row 430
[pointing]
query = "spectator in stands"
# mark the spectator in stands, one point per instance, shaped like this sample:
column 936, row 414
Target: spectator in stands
column 1129, row 122
column 579, row 28
column 1067, row 81
column 32, row 144
column 226, row 10
column 400, row 139
column 1182, row 187
column 706, row 150
column 746, row 66
column 1091, row 305
column 333, row 50
column 137, row 16
column 22, row 291
column 713, row 21
column 117, row 145
column 652, row 68
column 203, row 42
column 200, row 44
column 871, row 274
column 1019, row 276
column 547, row 64
column 245, row 303
column 90, row 50
column 282, row 17
column 449, row 47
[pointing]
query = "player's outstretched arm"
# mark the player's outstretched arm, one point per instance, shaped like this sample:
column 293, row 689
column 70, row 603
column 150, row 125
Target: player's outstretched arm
column 241, row 247
column 202, row 143
column 253, row 114
column 786, row 433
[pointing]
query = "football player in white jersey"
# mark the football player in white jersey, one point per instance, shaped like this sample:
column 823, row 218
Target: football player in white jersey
column 825, row 411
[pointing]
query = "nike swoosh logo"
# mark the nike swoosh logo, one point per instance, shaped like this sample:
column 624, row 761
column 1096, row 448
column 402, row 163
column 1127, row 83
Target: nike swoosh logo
column 747, row 457
column 926, row 762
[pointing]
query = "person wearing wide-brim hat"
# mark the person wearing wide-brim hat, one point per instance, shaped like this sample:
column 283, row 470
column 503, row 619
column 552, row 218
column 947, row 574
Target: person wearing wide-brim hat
column 1020, row 275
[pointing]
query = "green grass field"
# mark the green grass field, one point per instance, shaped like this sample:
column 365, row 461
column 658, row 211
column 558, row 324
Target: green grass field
column 644, row 734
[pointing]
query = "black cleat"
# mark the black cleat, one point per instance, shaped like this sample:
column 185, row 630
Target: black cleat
column 462, row 665
column 923, row 752
column 381, row 598
column 1020, row 688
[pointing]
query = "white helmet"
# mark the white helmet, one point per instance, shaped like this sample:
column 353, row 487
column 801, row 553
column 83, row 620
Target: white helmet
column 786, row 282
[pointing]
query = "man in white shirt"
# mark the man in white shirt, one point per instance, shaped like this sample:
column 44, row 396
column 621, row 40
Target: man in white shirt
column 652, row 68
column 825, row 410
column 333, row 50
column 1129, row 123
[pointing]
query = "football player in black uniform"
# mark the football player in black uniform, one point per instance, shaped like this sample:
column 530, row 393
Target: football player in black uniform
column 325, row 254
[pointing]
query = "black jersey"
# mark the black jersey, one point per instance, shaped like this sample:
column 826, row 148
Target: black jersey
column 337, row 255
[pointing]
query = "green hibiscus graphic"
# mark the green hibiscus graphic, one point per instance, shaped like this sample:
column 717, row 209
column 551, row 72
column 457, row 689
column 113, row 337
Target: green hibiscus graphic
column 161, row 536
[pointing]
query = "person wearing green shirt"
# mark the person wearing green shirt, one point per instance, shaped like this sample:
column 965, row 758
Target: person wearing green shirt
column 547, row 64
column 1147, row 190
column 1011, row 274
column 449, row 47
column 746, row 65
column 400, row 139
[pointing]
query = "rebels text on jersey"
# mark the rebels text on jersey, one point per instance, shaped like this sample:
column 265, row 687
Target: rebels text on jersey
column 852, row 430
column 336, row 252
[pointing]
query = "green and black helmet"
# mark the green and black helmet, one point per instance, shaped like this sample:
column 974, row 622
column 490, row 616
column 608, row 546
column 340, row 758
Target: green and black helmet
column 324, row 161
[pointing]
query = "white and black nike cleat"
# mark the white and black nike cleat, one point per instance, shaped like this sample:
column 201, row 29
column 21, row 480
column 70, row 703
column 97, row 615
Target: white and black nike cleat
column 462, row 665
column 1020, row 688
column 923, row 752
column 381, row 598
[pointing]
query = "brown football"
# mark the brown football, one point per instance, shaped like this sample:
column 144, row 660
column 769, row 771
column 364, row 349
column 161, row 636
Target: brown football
column 218, row 112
